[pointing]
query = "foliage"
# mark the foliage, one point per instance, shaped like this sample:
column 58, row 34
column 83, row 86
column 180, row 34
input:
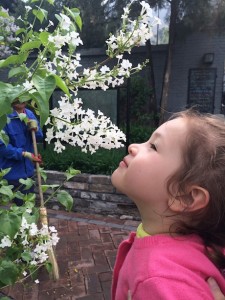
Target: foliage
column 7, row 33
column 139, row 110
column 23, row 246
column 101, row 162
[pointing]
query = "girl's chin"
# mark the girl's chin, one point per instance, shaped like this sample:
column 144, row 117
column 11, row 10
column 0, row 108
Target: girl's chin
column 114, row 178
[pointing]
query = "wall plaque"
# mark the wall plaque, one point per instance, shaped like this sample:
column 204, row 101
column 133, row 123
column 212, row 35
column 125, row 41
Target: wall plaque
column 201, row 89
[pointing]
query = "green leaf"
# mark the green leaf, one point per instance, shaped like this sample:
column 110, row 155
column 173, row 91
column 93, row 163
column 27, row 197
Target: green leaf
column 27, row 182
column 8, row 94
column 43, row 36
column 74, row 13
column 43, row 107
column 8, row 272
column 4, row 137
column 45, row 86
column 6, row 190
column 10, row 223
column 79, row 22
column 70, row 173
column 65, row 199
column 43, row 174
column 4, row 172
column 29, row 197
column 45, row 187
column 20, row 31
column 16, row 71
column 19, row 195
column 26, row 256
column 48, row 266
column 40, row 14
column 31, row 45
column 4, row 14
column 3, row 121
column 61, row 84
column 14, row 60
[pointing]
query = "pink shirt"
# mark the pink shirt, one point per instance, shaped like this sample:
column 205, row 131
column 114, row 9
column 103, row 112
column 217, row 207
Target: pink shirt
column 161, row 267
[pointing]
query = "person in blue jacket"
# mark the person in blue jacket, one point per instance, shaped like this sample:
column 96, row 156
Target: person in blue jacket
column 18, row 153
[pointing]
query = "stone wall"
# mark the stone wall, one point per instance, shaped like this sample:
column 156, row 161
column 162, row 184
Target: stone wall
column 92, row 194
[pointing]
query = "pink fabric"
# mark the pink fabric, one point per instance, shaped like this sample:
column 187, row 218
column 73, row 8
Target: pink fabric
column 161, row 267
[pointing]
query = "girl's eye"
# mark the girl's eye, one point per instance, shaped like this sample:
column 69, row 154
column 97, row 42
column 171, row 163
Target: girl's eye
column 153, row 146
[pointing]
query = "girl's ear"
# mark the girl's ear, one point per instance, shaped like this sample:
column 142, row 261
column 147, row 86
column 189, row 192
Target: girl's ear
column 196, row 198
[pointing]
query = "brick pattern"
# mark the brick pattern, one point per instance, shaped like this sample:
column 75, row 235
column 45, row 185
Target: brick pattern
column 85, row 254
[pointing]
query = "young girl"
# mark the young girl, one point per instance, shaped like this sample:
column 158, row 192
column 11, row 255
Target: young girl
column 177, row 181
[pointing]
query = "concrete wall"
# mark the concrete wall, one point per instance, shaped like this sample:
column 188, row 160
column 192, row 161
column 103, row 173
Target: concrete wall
column 188, row 54
column 92, row 194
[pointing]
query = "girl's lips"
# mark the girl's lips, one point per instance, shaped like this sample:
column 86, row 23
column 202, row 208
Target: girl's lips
column 123, row 164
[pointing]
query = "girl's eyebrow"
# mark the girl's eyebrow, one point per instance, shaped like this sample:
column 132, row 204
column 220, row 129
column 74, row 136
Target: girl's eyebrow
column 156, row 134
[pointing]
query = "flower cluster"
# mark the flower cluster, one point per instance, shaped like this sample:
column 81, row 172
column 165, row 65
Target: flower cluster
column 7, row 32
column 133, row 32
column 86, row 131
column 32, row 245
column 56, row 68
column 70, row 123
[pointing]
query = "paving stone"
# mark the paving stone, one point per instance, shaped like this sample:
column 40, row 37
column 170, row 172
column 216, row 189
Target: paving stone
column 85, row 255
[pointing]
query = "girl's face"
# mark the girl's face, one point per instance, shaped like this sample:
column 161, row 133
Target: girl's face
column 143, row 173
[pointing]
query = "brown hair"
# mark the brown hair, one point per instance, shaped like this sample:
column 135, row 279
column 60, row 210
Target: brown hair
column 204, row 165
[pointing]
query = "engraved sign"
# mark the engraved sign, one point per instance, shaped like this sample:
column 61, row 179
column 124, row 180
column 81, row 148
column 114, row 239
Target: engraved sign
column 201, row 89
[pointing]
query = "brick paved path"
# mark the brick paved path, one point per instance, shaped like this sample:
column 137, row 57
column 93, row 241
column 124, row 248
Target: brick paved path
column 85, row 255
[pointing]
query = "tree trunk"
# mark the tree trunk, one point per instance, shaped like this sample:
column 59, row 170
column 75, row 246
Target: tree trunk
column 151, row 80
column 168, row 66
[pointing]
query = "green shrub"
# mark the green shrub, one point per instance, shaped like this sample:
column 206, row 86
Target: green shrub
column 101, row 162
column 140, row 134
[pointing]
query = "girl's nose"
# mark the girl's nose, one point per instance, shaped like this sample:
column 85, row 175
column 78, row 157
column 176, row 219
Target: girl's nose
column 133, row 149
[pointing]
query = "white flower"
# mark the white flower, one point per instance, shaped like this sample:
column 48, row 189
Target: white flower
column 104, row 69
column 5, row 242
column 54, row 239
column 28, row 85
column 28, row 8
column 36, row 281
column 24, row 273
column 74, row 38
column 42, row 257
column 65, row 22
column 33, row 229
column 126, row 64
column 52, row 229
column 146, row 7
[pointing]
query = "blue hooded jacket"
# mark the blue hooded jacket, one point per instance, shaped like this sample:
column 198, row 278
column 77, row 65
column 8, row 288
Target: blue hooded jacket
column 20, row 139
